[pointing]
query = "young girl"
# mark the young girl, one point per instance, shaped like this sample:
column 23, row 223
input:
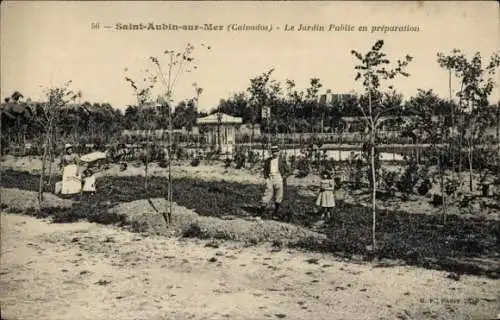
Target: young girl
column 326, row 198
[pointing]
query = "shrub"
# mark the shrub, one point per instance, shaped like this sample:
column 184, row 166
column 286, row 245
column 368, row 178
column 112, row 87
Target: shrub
column 409, row 178
column 389, row 180
column 212, row 155
column 326, row 165
column 253, row 158
column 240, row 159
column 355, row 173
column 245, row 138
column 293, row 162
column 451, row 186
column 303, row 168
column 195, row 162
column 180, row 153
column 163, row 163
column 424, row 187
column 123, row 166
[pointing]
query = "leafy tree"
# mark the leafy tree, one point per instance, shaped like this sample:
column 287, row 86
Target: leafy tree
column 185, row 115
column 131, row 117
column 450, row 63
column 295, row 99
column 15, row 115
column 237, row 106
column 476, row 85
column 259, row 96
column 372, row 69
column 312, row 101
column 431, row 122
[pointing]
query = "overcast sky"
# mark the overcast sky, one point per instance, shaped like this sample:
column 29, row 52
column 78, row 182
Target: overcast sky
column 44, row 44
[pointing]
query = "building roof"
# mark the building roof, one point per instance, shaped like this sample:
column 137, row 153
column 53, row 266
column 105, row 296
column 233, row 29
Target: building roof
column 224, row 119
column 157, row 132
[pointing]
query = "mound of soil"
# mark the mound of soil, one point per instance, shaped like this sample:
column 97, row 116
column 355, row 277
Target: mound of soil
column 18, row 200
column 146, row 216
column 27, row 164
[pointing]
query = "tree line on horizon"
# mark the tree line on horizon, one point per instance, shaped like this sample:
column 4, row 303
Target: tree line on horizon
column 291, row 110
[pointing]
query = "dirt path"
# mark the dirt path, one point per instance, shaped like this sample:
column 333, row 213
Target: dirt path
column 88, row 271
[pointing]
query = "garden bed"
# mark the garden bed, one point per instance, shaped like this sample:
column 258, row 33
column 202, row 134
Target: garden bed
column 417, row 239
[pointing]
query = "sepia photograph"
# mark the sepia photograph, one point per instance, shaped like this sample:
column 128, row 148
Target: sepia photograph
column 171, row 160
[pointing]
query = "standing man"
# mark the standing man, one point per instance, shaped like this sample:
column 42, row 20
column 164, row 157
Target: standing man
column 275, row 171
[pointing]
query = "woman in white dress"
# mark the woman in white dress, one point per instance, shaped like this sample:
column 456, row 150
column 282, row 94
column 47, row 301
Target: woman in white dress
column 71, row 182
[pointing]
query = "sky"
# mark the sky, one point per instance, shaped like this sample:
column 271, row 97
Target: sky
column 44, row 44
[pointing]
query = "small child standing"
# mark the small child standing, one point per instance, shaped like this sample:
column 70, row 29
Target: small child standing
column 326, row 197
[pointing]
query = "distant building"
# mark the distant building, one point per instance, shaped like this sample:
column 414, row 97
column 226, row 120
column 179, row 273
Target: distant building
column 330, row 98
column 220, row 130
column 160, row 134
column 246, row 129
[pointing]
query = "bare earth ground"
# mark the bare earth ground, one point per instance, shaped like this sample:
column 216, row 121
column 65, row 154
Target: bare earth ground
column 89, row 271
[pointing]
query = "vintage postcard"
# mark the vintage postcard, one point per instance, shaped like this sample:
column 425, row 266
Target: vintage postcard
column 250, row 160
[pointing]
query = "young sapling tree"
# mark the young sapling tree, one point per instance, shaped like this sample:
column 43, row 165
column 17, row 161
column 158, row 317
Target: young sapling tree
column 372, row 70
column 57, row 99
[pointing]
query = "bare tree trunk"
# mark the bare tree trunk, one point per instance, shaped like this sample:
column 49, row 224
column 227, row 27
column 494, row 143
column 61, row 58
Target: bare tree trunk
column 443, row 193
column 471, row 140
column 470, row 165
column 18, row 122
column 1, row 151
column 442, row 172
column 41, row 184
column 374, row 178
column 322, row 120
column 146, row 150
column 374, row 188
column 146, row 164
column 170, row 198
column 460, row 139
column 219, row 142
column 313, row 118
column 460, row 155
column 452, row 121
column 498, row 139
column 293, row 132
column 42, row 175
column 252, row 136
column 197, row 141
column 51, row 160
column 268, row 135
